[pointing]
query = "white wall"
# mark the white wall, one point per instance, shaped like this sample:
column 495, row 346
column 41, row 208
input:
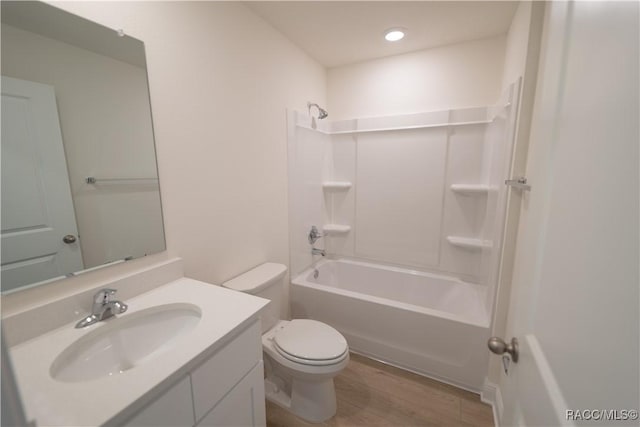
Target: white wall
column 114, row 222
column 515, row 56
column 308, row 156
column 456, row 76
column 220, row 81
column 400, row 189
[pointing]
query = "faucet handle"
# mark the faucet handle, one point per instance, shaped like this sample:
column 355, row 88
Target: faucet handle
column 314, row 235
column 103, row 307
column 119, row 307
column 103, row 296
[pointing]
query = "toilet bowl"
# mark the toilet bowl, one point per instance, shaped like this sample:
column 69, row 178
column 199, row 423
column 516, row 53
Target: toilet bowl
column 301, row 356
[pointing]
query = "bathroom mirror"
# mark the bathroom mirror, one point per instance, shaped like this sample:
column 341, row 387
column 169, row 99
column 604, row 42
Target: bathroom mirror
column 79, row 175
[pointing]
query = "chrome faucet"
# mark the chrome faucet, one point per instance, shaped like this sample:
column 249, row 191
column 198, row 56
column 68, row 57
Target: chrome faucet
column 103, row 308
column 313, row 237
column 315, row 251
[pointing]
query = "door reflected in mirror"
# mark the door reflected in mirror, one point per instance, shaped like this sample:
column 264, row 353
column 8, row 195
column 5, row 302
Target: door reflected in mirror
column 79, row 176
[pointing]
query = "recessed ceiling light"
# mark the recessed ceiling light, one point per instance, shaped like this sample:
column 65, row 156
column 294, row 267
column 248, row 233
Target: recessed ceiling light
column 394, row 34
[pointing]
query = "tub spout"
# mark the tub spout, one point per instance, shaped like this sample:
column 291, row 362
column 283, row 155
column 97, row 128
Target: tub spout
column 315, row 251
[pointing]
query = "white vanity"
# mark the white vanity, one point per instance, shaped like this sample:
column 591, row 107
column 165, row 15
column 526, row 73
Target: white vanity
column 185, row 353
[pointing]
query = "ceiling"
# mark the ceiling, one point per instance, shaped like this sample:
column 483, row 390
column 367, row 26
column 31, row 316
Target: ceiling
column 342, row 32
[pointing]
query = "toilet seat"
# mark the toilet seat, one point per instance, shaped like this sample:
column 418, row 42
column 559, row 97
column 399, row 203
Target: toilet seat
column 310, row 342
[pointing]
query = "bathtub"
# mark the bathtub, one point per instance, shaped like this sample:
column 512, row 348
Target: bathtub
column 434, row 325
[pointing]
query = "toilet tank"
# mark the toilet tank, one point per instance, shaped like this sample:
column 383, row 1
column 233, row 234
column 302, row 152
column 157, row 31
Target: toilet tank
column 263, row 281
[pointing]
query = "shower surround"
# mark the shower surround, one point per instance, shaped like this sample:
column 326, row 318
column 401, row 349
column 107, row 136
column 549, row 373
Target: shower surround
column 421, row 195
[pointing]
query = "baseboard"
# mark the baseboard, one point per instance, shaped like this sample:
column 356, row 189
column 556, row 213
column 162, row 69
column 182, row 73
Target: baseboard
column 491, row 395
column 415, row 371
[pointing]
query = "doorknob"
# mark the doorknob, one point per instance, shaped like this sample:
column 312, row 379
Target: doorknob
column 498, row 346
column 69, row 238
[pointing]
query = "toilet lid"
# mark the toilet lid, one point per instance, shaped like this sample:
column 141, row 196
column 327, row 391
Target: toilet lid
column 310, row 340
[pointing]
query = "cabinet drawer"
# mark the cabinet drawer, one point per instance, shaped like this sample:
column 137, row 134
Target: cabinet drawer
column 215, row 377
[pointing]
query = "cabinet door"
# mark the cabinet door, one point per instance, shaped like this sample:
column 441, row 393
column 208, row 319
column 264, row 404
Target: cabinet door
column 174, row 408
column 215, row 377
column 244, row 405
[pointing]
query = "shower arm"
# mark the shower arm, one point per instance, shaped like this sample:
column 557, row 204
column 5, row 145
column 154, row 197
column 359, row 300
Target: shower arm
column 322, row 113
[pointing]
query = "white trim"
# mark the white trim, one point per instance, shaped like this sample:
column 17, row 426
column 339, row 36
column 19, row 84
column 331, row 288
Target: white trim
column 481, row 189
column 456, row 117
column 469, row 242
column 336, row 185
column 426, row 126
column 556, row 399
column 491, row 395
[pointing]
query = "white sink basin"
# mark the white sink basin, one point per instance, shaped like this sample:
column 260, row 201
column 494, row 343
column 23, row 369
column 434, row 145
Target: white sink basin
column 120, row 344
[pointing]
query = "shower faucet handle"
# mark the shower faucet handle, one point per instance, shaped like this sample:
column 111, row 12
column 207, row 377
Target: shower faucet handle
column 314, row 235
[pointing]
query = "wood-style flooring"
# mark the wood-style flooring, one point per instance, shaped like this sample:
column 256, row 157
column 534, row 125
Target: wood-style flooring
column 371, row 394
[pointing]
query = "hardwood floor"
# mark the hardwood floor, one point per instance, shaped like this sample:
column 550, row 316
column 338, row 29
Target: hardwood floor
column 374, row 394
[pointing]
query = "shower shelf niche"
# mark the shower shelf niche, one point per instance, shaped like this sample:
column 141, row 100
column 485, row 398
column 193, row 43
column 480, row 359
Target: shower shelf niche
column 336, row 185
column 469, row 242
column 479, row 189
column 336, row 228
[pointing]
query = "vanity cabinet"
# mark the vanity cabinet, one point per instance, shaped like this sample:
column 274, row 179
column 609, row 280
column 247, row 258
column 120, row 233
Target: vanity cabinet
column 226, row 389
column 214, row 378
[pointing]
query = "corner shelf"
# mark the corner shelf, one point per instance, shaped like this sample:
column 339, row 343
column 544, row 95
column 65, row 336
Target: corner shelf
column 336, row 229
column 336, row 185
column 479, row 189
column 469, row 243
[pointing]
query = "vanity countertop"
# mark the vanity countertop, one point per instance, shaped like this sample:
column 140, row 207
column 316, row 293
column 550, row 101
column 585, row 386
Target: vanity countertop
column 112, row 399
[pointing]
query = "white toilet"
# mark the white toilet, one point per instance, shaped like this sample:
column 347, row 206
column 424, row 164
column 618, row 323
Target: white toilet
column 301, row 356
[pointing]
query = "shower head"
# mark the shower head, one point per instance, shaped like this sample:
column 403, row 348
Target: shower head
column 322, row 113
